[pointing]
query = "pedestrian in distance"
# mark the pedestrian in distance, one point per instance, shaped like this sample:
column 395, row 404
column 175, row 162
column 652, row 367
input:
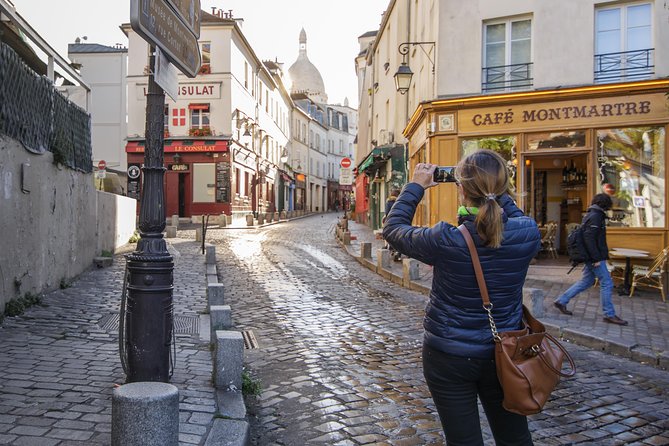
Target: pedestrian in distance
column 458, row 347
column 597, row 252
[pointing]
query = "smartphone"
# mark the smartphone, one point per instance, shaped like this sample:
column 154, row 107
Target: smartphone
column 444, row 174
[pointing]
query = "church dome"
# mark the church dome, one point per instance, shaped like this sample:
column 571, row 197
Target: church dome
column 305, row 77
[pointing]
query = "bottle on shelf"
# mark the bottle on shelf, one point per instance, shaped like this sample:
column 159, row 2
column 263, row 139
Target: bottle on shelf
column 565, row 173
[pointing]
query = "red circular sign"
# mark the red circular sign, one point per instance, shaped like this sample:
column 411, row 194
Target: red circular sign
column 102, row 165
column 345, row 162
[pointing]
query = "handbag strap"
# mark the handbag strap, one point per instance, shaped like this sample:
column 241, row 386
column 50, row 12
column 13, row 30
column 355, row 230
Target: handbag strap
column 566, row 355
column 483, row 288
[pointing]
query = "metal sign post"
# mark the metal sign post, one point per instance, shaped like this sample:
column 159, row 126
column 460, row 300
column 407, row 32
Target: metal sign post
column 147, row 317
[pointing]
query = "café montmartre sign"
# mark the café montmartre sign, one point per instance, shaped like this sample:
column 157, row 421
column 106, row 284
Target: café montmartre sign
column 594, row 111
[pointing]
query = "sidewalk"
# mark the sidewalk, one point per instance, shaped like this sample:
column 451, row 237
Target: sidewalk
column 645, row 339
column 60, row 359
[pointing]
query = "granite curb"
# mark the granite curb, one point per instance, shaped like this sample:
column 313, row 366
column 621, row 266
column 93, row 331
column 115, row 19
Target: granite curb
column 286, row 220
column 609, row 345
column 230, row 427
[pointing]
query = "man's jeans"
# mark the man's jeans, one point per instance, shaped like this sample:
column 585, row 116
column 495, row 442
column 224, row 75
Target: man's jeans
column 455, row 383
column 588, row 280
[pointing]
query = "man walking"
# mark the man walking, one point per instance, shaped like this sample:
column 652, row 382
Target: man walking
column 594, row 238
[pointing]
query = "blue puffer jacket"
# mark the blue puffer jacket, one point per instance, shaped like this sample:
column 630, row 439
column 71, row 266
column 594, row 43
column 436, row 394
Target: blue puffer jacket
column 455, row 321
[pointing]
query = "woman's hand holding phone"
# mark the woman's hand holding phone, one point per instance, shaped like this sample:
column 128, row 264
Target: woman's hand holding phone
column 423, row 174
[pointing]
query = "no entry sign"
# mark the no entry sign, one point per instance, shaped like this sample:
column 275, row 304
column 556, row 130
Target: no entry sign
column 345, row 163
column 102, row 165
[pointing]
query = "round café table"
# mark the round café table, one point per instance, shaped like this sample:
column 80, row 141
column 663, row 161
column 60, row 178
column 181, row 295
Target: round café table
column 628, row 254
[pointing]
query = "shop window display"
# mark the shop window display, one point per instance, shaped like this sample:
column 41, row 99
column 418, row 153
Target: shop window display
column 631, row 170
column 504, row 145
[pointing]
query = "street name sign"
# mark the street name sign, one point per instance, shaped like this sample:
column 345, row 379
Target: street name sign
column 166, row 75
column 189, row 13
column 158, row 24
column 346, row 176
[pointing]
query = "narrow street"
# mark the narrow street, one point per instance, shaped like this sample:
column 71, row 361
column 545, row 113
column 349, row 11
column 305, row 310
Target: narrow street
column 338, row 354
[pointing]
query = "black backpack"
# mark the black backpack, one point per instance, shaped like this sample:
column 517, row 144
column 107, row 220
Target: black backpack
column 576, row 247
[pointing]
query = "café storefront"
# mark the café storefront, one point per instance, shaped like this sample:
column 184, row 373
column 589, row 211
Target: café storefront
column 562, row 147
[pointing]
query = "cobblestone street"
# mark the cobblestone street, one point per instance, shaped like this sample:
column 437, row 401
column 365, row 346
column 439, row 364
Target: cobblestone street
column 339, row 354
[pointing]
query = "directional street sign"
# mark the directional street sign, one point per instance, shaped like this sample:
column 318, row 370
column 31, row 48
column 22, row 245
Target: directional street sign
column 159, row 25
column 346, row 176
column 189, row 13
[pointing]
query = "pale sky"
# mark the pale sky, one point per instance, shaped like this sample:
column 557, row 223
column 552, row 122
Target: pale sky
column 271, row 26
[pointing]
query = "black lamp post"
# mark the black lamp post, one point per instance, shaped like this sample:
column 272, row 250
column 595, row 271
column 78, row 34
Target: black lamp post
column 148, row 317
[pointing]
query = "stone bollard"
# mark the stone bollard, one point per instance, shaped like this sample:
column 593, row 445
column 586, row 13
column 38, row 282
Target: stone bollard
column 229, row 360
column 346, row 238
column 196, row 219
column 215, row 294
column 533, row 298
column 249, row 220
column 220, row 317
column 261, row 219
column 228, row 219
column 283, row 215
column 366, row 250
column 145, row 414
column 268, row 217
column 409, row 269
column 170, row 231
column 344, row 224
column 275, row 217
column 175, row 221
column 223, row 220
column 383, row 258
column 198, row 234
column 210, row 254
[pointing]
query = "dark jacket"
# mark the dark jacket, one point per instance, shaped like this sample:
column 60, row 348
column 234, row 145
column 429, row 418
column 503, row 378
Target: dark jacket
column 389, row 204
column 455, row 321
column 594, row 234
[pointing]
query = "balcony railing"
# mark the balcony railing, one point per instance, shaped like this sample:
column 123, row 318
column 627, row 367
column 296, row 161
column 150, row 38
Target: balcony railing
column 624, row 66
column 507, row 78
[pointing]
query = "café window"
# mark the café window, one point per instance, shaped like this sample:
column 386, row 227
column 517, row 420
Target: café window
column 204, row 186
column 504, row 145
column 631, row 170
column 199, row 119
column 556, row 140
column 205, row 51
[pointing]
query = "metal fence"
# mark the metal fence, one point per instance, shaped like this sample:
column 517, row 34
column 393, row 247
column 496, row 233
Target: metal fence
column 34, row 113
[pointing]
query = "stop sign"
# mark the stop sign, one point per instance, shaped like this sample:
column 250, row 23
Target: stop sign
column 345, row 163
column 102, row 165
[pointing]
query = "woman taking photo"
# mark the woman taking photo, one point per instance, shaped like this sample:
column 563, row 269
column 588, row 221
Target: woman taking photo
column 458, row 348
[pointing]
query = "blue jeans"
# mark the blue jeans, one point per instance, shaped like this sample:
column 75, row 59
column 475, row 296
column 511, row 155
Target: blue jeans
column 588, row 280
column 455, row 383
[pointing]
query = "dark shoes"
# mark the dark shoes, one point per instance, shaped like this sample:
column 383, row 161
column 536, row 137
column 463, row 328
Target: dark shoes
column 562, row 308
column 615, row 320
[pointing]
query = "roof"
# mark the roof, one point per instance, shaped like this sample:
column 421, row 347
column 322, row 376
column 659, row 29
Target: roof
column 94, row 48
column 368, row 34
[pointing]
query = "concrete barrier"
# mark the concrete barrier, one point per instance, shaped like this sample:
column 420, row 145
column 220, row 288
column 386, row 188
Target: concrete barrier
column 346, row 238
column 261, row 219
column 409, row 270
column 175, row 221
column 170, row 231
column 383, row 258
column 249, row 220
column 198, row 234
column 223, row 220
column 282, row 215
column 533, row 298
column 215, row 294
column 210, row 254
column 275, row 217
column 145, row 414
column 220, row 318
column 366, row 250
column 229, row 360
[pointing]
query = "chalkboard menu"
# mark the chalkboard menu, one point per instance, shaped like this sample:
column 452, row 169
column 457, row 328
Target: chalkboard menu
column 223, row 182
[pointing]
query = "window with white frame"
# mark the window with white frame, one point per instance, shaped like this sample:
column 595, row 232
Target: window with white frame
column 507, row 55
column 205, row 51
column 623, row 43
column 199, row 116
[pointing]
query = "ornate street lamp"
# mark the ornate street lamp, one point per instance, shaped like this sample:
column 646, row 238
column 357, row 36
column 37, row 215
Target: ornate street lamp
column 404, row 74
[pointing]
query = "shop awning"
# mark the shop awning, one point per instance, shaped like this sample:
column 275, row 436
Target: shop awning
column 377, row 154
column 185, row 146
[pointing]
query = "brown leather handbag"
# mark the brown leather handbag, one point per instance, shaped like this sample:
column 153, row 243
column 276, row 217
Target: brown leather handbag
column 529, row 360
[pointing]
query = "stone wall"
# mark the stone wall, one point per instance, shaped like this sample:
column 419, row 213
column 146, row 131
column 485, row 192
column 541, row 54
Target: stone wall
column 48, row 222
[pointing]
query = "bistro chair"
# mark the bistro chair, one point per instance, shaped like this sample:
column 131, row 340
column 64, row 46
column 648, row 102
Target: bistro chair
column 548, row 240
column 651, row 276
